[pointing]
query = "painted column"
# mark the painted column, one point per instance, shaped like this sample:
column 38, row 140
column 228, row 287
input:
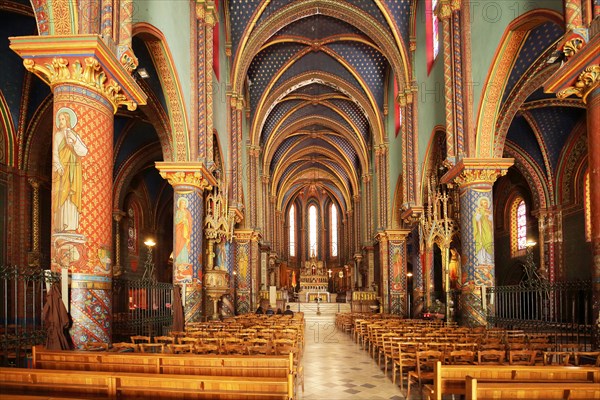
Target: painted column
column 593, row 127
column 444, row 14
column 384, row 262
column 117, row 267
column 189, row 180
column 573, row 14
column 243, row 272
column 82, row 153
column 381, row 167
column 210, row 19
column 396, row 266
column 418, row 273
column 356, row 239
column 368, row 196
column 33, row 258
column 428, row 275
column 253, row 154
column 255, row 266
column 476, row 178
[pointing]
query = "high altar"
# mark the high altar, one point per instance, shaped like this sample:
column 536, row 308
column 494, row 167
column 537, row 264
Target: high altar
column 314, row 281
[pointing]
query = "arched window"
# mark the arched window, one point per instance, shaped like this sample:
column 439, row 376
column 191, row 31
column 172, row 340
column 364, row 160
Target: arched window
column 518, row 226
column 334, row 231
column 586, row 208
column 292, row 233
column 312, row 230
column 432, row 47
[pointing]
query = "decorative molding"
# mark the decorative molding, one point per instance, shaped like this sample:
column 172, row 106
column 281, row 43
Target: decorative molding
column 84, row 60
column 189, row 174
column 587, row 81
column 469, row 171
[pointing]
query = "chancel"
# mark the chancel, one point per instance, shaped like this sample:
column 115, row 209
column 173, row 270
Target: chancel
column 394, row 171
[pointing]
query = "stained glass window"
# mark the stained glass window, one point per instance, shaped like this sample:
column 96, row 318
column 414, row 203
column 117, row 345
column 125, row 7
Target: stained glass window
column 292, row 233
column 334, row 231
column 432, row 38
column 312, row 230
column 521, row 226
column 518, row 227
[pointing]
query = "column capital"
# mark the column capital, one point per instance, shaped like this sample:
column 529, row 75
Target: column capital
column 444, row 9
column 85, row 60
column 187, row 174
column 247, row 235
column 397, row 234
column 470, row 171
column 587, row 81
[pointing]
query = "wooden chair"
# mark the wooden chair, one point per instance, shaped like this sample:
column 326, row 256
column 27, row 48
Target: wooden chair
column 491, row 357
column 151, row 347
column 95, row 346
column 166, row 340
column 258, row 346
column 206, row 348
column 425, row 368
column 140, row 339
column 521, row 357
column 125, row 347
column 181, row 348
column 557, row 357
column 406, row 360
column 461, row 357
column 587, row 358
column 233, row 346
column 188, row 340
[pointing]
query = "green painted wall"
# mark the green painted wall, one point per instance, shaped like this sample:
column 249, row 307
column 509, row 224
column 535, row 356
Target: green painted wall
column 489, row 21
column 430, row 96
column 172, row 18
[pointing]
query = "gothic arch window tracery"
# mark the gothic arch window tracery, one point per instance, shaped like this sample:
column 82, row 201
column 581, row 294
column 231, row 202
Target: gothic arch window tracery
column 334, row 230
column 518, row 226
column 292, row 230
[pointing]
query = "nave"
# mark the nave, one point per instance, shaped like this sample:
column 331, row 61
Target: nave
column 336, row 368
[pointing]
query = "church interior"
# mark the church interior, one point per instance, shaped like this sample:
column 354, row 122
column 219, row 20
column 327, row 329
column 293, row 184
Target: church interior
column 416, row 160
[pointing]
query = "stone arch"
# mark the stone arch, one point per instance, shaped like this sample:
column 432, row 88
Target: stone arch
column 498, row 75
column 156, row 43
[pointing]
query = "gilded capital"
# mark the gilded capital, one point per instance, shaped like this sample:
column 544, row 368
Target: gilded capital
column 444, row 10
column 86, row 61
column 471, row 171
column 586, row 82
column 187, row 174
column 89, row 74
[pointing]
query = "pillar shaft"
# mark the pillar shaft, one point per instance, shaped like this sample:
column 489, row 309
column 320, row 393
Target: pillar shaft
column 82, row 208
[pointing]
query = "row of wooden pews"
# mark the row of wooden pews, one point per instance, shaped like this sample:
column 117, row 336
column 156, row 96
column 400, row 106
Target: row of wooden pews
column 452, row 379
column 124, row 372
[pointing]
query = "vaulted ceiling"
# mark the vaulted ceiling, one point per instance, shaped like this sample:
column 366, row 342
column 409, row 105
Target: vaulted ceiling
column 316, row 85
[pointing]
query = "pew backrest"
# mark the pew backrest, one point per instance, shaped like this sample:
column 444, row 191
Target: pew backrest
column 477, row 389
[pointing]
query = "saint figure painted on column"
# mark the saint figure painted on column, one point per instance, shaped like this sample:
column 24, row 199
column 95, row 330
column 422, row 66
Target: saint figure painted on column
column 483, row 232
column 67, row 150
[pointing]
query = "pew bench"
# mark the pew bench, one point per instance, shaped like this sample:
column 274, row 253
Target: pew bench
column 487, row 390
column 162, row 363
column 110, row 385
column 451, row 379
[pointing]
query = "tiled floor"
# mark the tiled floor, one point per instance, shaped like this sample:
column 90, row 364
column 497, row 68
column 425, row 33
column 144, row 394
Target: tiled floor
column 336, row 368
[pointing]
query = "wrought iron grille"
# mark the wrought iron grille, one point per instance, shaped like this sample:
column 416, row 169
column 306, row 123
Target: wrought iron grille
column 563, row 309
column 141, row 307
column 23, row 290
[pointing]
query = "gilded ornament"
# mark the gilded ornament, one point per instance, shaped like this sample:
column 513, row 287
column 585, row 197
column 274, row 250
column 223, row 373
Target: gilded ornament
column 61, row 71
column 572, row 46
column 186, row 178
column 587, row 81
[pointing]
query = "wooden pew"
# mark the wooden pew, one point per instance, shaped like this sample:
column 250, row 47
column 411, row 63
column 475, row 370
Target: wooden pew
column 99, row 384
column 484, row 390
column 450, row 379
column 160, row 363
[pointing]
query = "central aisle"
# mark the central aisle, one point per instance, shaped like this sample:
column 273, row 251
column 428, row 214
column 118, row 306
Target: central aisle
column 336, row 368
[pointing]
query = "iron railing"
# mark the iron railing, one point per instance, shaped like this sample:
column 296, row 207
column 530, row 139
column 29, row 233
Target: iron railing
column 562, row 309
column 141, row 307
column 23, row 291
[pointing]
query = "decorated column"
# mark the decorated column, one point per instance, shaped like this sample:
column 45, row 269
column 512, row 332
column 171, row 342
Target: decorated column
column 33, row 258
column 88, row 84
column 476, row 178
column 243, row 272
column 579, row 75
column 189, row 180
column 384, row 263
column 398, row 288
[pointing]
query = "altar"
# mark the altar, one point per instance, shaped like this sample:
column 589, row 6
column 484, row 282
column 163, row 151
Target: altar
column 314, row 281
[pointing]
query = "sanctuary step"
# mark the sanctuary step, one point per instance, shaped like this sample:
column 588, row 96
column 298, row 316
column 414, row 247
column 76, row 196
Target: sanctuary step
column 325, row 308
